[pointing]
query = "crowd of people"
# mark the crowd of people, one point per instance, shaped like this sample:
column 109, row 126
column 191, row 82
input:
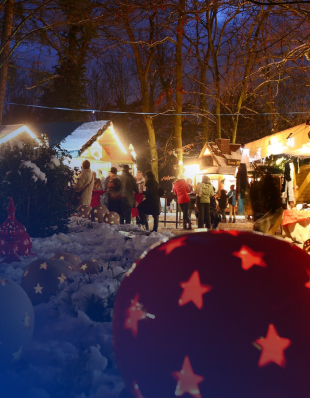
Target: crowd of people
column 117, row 193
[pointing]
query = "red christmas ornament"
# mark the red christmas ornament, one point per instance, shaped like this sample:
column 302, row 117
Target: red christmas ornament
column 215, row 314
column 14, row 240
column 98, row 213
column 84, row 210
column 71, row 258
column 111, row 218
column 89, row 267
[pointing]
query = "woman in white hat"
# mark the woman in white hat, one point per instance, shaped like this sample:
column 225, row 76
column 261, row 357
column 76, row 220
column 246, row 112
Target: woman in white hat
column 181, row 189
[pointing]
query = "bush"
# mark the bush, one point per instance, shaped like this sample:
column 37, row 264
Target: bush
column 40, row 184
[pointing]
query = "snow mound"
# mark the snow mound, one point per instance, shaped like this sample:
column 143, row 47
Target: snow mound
column 71, row 354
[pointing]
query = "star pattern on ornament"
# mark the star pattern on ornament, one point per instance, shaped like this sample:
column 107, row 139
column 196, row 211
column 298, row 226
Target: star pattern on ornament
column 62, row 278
column 17, row 355
column 95, row 211
column 308, row 283
column 83, row 267
column 38, row 289
column 61, row 257
column 26, row 272
column 134, row 315
column 93, row 261
column 70, row 267
column 249, row 258
column 27, row 320
column 273, row 347
column 96, row 219
column 4, row 282
column 187, row 380
column 173, row 244
column 43, row 266
column 193, row 291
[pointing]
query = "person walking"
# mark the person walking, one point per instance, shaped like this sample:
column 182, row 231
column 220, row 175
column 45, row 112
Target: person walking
column 140, row 181
column 181, row 189
column 84, row 184
column 204, row 191
column 114, row 194
column 232, row 203
column 101, row 178
column 151, row 204
column 97, row 192
column 129, row 187
column 223, row 204
column 104, row 197
column 214, row 214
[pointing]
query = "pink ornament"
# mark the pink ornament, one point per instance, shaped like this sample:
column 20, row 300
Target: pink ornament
column 14, row 240
column 215, row 314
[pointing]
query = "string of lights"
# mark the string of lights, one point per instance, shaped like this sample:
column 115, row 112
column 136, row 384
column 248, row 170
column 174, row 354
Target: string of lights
column 157, row 113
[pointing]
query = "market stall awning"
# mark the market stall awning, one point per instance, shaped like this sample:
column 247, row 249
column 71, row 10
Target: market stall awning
column 294, row 142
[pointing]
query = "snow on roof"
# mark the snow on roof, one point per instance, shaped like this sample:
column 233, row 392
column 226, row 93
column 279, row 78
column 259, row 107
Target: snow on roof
column 9, row 128
column 83, row 134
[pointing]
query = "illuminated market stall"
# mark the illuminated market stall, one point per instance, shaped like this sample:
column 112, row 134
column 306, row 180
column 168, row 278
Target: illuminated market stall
column 96, row 141
column 293, row 142
column 219, row 160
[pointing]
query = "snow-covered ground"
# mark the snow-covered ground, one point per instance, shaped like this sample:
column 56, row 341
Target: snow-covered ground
column 71, row 354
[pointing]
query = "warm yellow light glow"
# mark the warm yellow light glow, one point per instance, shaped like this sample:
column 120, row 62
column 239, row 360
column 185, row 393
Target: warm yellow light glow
column 207, row 152
column 134, row 169
column 275, row 147
column 120, row 145
column 180, row 163
column 191, row 170
column 20, row 130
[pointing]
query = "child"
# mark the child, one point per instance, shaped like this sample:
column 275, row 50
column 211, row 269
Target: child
column 223, row 204
column 232, row 203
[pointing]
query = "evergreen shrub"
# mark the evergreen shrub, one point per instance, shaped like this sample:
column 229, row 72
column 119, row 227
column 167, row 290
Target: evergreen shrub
column 40, row 184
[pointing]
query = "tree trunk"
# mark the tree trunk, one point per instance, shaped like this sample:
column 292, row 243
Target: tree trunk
column 4, row 58
column 203, row 103
column 153, row 148
column 179, row 90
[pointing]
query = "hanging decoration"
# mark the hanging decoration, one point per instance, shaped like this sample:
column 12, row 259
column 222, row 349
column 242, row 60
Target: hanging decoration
column 14, row 240
column 193, row 319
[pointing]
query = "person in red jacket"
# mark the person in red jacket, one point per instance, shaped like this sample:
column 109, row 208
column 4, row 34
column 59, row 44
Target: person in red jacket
column 181, row 189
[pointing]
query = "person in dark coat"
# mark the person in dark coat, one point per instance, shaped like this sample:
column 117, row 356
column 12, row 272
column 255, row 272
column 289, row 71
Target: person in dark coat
column 223, row 204
column 215, row 216
column 129, row 186
column 115, row 195
column 151, row 204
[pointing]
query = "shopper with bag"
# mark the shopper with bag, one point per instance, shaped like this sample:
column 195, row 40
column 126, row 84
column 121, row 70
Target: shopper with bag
column 204, row 191
column 84, row 186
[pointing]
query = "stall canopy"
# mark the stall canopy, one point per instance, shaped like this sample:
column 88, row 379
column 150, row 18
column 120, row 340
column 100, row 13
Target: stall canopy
column 294, row 142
